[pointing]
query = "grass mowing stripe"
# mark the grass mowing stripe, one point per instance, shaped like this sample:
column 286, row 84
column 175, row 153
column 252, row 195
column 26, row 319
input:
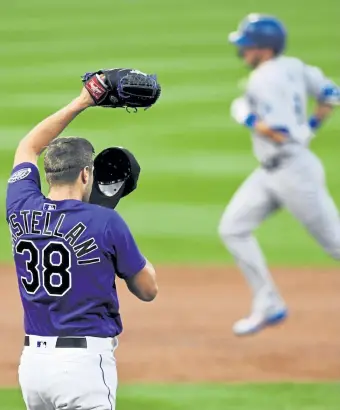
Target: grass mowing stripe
column 241, row 397
column 167, row 65
column 284, row 396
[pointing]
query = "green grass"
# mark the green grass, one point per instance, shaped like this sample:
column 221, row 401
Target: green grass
column 193, row 156
column 215, row 397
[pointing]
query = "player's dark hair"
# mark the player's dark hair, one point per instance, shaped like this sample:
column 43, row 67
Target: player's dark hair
column 65, row 157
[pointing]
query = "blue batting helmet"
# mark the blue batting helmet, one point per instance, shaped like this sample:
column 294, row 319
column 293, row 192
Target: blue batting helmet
column 260, row 31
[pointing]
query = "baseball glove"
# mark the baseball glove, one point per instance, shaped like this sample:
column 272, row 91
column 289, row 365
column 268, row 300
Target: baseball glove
column 122, row 88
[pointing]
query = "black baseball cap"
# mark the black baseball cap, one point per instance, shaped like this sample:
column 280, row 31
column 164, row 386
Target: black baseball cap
column 115, row 175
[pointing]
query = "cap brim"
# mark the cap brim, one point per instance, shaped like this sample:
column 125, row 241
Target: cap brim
column 239, row 40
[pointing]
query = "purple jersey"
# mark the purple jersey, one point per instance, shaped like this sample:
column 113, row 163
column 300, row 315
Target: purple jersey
column 67, row 255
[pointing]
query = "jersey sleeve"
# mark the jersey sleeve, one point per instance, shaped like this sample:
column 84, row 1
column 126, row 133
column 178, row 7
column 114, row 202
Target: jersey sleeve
column 316, row 81
column 23, row 184
column 127, row 256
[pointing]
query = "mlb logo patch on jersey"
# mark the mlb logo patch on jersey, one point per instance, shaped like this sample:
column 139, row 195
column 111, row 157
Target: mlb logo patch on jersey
column 49, row 207
column 21, row 174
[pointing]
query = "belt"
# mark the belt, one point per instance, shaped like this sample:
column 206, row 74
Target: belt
column 65, row 342
column 274, row 162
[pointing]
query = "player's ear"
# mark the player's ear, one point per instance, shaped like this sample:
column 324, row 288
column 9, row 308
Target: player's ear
column 85, row 175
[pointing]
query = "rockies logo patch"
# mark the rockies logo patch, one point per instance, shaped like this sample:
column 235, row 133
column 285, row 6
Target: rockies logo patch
column 21, row 174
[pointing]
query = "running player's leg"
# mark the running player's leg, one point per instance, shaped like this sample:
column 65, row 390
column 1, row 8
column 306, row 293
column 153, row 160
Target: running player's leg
column 250, row 205
column 304, row 193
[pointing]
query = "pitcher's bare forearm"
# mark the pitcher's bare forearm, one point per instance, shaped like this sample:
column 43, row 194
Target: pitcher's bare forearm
column 33, row 144
column 143, row 285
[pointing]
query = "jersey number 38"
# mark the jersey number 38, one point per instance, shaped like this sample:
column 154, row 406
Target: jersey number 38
column 54, row 277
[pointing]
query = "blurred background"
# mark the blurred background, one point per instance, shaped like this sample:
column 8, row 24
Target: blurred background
column 193, row 157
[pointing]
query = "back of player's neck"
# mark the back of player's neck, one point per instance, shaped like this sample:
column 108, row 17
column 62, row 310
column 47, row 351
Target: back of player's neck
column 265, row 59
column 64, row 192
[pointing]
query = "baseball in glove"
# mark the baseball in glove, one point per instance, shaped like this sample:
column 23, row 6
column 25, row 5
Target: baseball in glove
column 122, row 88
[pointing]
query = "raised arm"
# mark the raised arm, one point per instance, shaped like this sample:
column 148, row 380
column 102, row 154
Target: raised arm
column 33, row 144
column 124, row 88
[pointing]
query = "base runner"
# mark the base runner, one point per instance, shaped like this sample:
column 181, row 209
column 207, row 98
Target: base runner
column 274, row 109
column 68, row 253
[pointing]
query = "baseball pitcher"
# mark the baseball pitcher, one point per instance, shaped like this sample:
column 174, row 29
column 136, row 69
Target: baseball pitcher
column 274, row 109
column 68, row 252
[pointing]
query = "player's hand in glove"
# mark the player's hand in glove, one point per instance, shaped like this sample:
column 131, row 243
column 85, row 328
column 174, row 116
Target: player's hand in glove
column 122, row 88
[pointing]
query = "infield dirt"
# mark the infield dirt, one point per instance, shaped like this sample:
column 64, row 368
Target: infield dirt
column 185, row 334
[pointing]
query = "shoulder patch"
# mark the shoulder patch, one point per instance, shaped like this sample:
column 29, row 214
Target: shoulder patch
column 18, row 175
